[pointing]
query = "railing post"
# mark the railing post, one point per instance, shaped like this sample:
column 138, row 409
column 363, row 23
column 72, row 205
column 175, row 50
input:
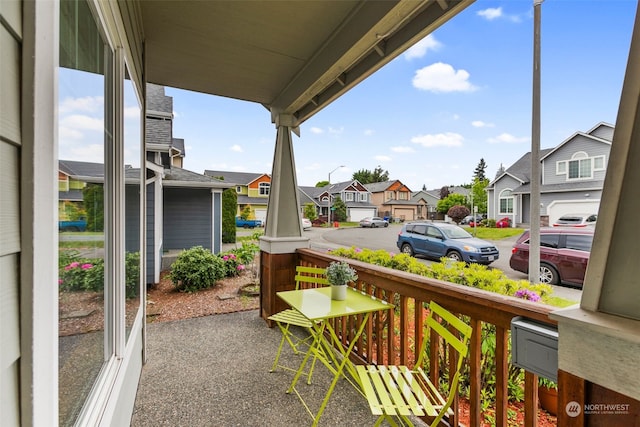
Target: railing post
column 530, row 399
column 475, row 370
column 502, row 374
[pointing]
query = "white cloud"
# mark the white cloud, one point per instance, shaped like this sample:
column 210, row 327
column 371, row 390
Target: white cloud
column 447, row 139
column 481, row 124
column 336, row 130
column 316, row 130
column 505, row 138
column 368, row 132
column 236, row 148
column 496, row 13
column 176, row 114
column 421, row 48
column 312, row 167
column 85, row 104
column 132, row 112
column 491, row 13
column 79, row 121
column 383, row 158
column 86, row 153
column 441, row 77
column 67, row 133
column 402, row 149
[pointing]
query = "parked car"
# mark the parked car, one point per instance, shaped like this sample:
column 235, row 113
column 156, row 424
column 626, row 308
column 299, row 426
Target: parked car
column 248, row 223
column 470, row 219
column 564, row 254
column 373, row 222
column 576, row 220
column 76, row 225
column 503, row 222
column 306, row 223
column 437, row 240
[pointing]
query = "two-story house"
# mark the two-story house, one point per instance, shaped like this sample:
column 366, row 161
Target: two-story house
column 572, row 177
column 355, row 196
column 394, row 200
column 252, row 190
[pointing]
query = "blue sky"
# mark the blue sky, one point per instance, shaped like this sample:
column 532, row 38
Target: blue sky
column 461, row 94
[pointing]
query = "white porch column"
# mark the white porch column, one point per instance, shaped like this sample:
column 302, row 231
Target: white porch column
column 283, row 232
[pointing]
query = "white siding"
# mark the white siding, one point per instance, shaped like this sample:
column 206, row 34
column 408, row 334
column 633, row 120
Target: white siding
column 10, row 12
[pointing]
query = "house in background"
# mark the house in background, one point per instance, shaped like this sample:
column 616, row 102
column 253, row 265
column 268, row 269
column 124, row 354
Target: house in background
column 426, row 202
column 72, row 178
column 572, row 179
column 252, row 190
column 184, row 208
column 394, row 200
column 354, row 195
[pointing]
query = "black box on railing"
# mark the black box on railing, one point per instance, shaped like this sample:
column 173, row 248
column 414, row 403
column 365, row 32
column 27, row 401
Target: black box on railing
column 534, row 347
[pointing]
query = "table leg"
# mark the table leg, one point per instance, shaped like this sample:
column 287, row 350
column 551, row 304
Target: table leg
column 340, row 367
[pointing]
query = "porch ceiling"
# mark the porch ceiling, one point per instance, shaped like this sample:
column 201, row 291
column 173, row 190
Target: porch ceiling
column 291, row 56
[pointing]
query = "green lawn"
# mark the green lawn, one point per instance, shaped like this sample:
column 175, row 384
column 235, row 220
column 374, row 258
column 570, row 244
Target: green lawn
column 494, row 233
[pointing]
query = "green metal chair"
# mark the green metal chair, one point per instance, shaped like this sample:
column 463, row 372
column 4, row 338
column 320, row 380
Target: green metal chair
column 287, row 320
column 399, row 391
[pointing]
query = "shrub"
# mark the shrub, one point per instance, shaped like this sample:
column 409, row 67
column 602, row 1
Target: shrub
column 458, row 212
column 196, row 268
column 229, row 208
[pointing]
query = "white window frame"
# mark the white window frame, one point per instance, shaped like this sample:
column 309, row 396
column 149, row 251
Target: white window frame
column 264, row 188
column 238, row 189
column 601, row 168
column 508, row 197
column 364, row 197
column 349, row 196
column 561, row 167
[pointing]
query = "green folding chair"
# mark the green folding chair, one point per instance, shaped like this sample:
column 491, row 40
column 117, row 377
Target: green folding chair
column 400, row 391
column 287, row 320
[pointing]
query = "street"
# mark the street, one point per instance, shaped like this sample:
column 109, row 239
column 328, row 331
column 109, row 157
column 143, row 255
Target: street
column 385, row 238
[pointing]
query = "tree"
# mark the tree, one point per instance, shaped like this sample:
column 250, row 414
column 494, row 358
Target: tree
column 340, row 210
column 479, row 172
column 93, row 197
column 365, row 176
column 479, row 194
column 444, row 192
column 451, row 200
column 321, row 184
column 424, row 187
column 310, row 211
column 229, row 208
column 246, row 212
column 457, row 213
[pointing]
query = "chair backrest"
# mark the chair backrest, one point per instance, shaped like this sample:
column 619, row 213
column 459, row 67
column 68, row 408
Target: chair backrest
column 310, row 277
column 459, row 343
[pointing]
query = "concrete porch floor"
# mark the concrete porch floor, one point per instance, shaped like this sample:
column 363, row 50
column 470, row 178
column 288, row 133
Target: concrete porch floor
column 214, row 371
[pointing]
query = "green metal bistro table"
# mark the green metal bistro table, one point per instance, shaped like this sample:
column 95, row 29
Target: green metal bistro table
column 317, row 306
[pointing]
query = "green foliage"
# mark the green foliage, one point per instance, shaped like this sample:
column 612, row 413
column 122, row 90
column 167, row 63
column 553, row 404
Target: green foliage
column 457, row 213
column 341, row 273
column 310, row 211
column 93, row 196
column 340, row 212
column 479, row 194
column 229, row 207
column 246, row 212
column 87, row 274
column 365, row 176
column 479, row 172
column 321, row 184
column 196, row 268
column 451, row 200
column 72, row 211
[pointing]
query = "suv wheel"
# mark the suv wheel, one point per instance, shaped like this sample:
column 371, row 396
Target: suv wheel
column 407, row 249
column 454, row 256
column 548, row 275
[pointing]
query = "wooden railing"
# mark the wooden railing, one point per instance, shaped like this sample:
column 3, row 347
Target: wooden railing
column 410, row 293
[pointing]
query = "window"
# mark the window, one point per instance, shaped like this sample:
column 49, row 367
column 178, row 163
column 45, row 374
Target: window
column 580, row 242
column 403, row 195
column 506, row 202
column 263, row 188
column 348, row 196
column 389, row 195
column 364, row 197
column 581, row 166
column 238, row 189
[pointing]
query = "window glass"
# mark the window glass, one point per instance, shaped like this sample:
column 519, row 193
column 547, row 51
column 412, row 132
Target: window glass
column 598, row 163
column 84, row 130
column 506, row 202
column 132, row 171
column 420, row 229
column 549, row 240
column 581, row 242
column 264, row 188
